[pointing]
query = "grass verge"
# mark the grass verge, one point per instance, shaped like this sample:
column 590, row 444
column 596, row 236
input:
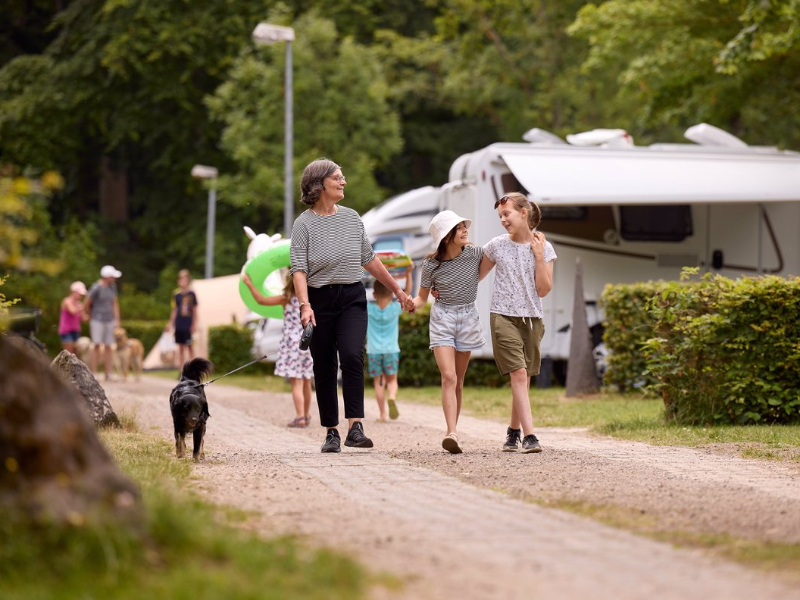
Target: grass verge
column 188, row 549
column 768, row 556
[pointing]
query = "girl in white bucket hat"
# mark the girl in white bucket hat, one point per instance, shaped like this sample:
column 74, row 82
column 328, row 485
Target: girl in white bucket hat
column 452, row 270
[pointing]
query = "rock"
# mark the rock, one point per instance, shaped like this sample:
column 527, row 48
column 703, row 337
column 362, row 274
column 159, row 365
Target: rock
column 53, row 466
column 78, row 374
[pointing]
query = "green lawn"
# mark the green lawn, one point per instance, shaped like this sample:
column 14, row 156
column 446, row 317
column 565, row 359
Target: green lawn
column 625, row 416
column 189, row 549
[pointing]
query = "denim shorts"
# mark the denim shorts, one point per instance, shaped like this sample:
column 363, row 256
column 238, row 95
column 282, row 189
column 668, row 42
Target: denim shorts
column 457, row 326
column 70, row 337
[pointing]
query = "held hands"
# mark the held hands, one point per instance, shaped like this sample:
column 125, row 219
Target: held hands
column 406, row 301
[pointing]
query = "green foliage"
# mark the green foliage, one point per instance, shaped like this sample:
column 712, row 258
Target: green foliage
column 109, row 560
column 627, row 326
column 230, row 347
column 733, row 64
column 417, row 364
column 728, row 351
column 340, row 111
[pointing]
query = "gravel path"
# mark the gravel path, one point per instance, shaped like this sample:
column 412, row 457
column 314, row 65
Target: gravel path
column 439, row 523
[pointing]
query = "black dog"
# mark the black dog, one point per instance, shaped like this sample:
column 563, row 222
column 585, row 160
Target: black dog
column 189, row 407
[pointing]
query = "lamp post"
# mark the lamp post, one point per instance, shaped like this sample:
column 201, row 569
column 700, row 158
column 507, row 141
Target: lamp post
column 264, row 33
column 205, row 172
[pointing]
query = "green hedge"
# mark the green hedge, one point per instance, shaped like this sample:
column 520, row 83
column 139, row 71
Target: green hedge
column 230, row 347
column 728, row 351
column 627, row 326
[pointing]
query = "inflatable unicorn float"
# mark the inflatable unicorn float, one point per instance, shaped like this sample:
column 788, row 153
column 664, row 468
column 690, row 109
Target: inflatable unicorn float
column 266, row 256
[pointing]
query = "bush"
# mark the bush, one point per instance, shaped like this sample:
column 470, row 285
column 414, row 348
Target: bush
column 627, row 326
column 230, row 347
column 417, row 364
column 728, row 351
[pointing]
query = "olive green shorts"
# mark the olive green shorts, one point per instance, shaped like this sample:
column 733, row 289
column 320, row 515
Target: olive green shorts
column 516, row 343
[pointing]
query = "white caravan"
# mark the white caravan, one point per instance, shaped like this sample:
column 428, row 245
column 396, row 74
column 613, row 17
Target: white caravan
column 629, row 213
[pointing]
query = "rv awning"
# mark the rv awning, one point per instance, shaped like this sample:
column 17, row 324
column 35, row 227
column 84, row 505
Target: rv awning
column 570, row 176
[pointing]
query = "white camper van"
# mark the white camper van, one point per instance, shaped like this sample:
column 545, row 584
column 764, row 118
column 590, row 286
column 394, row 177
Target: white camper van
column 630, row 213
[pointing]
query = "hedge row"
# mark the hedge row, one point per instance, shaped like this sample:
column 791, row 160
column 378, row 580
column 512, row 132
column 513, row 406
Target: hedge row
column 720, row 350
column 230, row 347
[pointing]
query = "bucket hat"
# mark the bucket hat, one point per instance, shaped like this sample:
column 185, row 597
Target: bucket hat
column 109, row 271
column 443, row 223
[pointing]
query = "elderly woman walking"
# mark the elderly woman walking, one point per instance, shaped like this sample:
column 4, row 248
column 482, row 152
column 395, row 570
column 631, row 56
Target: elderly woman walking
column 329, row 249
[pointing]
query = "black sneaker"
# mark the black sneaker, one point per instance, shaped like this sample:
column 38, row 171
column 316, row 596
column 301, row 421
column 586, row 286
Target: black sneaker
column 512, row 440
column 356, row 438
column 530, row 444
column 333, row 443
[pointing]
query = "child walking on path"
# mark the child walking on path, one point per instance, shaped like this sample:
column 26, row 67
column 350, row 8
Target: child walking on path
column 524, row 260
column 455, row 330
column 292, row 362
column 383, row 349
column 183, row 318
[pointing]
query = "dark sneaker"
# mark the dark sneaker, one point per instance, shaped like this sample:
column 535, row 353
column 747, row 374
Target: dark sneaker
column 512, row 440
column 333, row 443
column 356, row 438
column 530, row 444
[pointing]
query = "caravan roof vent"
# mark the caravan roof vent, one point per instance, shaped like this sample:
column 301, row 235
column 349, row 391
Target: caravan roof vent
column 540, row 136
column 608, row 138
column 708, row 135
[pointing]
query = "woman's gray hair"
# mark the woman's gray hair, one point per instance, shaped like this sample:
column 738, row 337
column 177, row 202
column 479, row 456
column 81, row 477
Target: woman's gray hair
column 314, row 174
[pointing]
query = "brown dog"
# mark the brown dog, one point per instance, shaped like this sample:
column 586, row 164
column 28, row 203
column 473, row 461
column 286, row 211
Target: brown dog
column 128, row 354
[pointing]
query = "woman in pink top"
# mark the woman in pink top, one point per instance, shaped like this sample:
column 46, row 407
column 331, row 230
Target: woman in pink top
column 69, row 324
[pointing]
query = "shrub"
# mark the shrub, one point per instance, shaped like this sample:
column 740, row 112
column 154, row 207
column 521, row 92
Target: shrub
column 728, row 351
column 628, row 325
column 230, row 347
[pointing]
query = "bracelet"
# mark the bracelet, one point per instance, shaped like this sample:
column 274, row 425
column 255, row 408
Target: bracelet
column 302, row 304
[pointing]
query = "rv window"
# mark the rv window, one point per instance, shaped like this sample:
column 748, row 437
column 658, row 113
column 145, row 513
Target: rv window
column 512, row 184
column 655, row 223
column 583, row 222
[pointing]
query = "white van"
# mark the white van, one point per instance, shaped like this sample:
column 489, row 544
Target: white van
column 630, row 213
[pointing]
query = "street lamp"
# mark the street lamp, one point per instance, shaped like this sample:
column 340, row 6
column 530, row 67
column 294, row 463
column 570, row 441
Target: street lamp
column 264, row 33
column 204, row 172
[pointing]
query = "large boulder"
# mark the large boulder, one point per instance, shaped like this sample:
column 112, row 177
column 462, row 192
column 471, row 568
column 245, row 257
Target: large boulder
column 53, row 466
column 78, row 374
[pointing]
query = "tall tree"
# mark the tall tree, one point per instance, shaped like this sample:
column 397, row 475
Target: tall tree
column 340, row 111
column 734, row 64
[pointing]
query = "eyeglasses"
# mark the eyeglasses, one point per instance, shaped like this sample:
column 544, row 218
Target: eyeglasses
column 338, row 178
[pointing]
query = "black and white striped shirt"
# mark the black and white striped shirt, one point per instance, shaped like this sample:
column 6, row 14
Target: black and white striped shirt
column 331, row 248
column 456, row 280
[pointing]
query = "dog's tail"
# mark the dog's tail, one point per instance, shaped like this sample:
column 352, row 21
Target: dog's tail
column 197, row 369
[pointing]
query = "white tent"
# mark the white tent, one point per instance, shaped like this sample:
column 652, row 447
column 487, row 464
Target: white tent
column 218, row 303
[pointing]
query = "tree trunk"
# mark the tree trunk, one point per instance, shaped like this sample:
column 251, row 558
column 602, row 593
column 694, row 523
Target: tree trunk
column 53, row 467
column 113, row 191
column 581, row 372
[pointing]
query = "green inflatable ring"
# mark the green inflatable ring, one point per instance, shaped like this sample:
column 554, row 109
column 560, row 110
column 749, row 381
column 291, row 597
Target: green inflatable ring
column 259, row 268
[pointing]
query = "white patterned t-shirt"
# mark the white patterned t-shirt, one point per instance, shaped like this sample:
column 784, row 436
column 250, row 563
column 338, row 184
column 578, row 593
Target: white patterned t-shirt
column 514, row 293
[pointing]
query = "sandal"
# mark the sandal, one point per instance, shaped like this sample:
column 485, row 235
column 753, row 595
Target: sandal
column 297, row 422
column 307, row 419
column 450, row 443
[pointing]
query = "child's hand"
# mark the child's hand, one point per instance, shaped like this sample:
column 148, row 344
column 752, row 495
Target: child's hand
column 537, row 245
column 246, row 279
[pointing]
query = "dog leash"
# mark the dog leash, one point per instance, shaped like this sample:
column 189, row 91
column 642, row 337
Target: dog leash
column 252, row 362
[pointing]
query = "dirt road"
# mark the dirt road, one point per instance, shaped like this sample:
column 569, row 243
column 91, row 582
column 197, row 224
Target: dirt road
column 467, row 526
